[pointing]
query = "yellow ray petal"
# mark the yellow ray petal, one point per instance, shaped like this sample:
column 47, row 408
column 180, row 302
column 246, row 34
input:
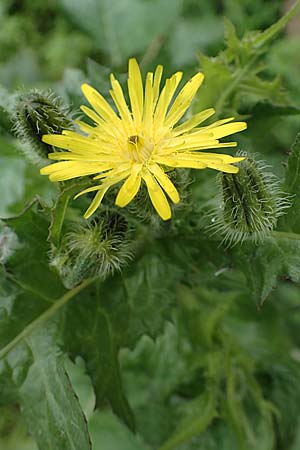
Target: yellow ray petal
column 85, row 127
column 165, row 182
column 118, row 97
column 185, row 163
column 215, row 124
column 193, row 121
column 157, row 196
column 96, row 202
column 225, row 158
column 228, row 168
column 66, row 170
column 148, row 105
column 135, row 89
column 165, row 98
column 102, row 159
column 156, row 83
column 184, row 99
column 226, row 130
column 130, row 188
column 99, row 103
column 70, row 143
column 87, row 190
column 92, row 115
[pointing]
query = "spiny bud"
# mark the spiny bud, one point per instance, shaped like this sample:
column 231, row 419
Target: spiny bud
column 93, row 249
column 251, row 202
column 37, row 113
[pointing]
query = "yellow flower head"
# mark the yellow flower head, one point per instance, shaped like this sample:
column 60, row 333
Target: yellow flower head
column 138, row 144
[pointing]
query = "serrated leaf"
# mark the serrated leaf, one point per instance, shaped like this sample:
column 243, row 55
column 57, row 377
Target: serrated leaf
column 95, row 341
column 233, row 83
column 39, row 383
column 264, row 109
column 30, row 286
column 264, row 264
column 266, row 36
column 122, row 310
column 291, row 221
column 32, row 370
column 49, row 404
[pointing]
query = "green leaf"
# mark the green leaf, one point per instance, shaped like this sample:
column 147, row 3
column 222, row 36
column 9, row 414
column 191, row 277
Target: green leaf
column 266, row 36
column 291, row 221
column 49, row 404
column 95, row 340
column 110, row 434
column 185, row 38
column 110, row 24
column 278, row 257
column 30, row 286
column 232, row 80
column 264, row 109
column 122, row 309
column 32, row 371
column 202, row 411
column 20, row 181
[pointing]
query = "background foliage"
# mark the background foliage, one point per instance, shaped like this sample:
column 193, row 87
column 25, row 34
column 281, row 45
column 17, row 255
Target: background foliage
column 176, row 351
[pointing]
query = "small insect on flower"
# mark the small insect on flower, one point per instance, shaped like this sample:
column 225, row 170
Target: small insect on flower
column 138, row 144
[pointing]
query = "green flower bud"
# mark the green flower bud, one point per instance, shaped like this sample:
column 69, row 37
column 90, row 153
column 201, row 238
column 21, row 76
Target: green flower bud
column 251, row 203
column 37, row 113
column 93, row 249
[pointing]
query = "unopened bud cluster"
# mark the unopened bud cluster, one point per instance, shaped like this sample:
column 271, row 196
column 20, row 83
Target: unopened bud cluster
column 93, row 249
column 251, row 203
column 37, row 113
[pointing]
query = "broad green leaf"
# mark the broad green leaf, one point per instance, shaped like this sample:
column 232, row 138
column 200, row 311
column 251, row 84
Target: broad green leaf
column 201, row 413
column 50, row 406
column 32, row 371
column 13, row 433
column 264, row 264
column 30, row 286
column 20, row 181
column 150, row 293
column 291, row 221
column 122, row 309
column 95, row 341
column 111, row 24
column 266, row 109
column 186, row 39
column 109, row 433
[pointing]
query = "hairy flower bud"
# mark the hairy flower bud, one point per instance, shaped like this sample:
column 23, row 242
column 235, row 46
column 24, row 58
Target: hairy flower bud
column 93, row 249
column 37, row 113
column 251, row 203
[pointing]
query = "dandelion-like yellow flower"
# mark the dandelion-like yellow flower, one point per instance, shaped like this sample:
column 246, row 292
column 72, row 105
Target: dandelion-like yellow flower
column 140, row 143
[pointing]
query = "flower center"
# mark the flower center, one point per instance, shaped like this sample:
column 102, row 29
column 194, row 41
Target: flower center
column 139, row 148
